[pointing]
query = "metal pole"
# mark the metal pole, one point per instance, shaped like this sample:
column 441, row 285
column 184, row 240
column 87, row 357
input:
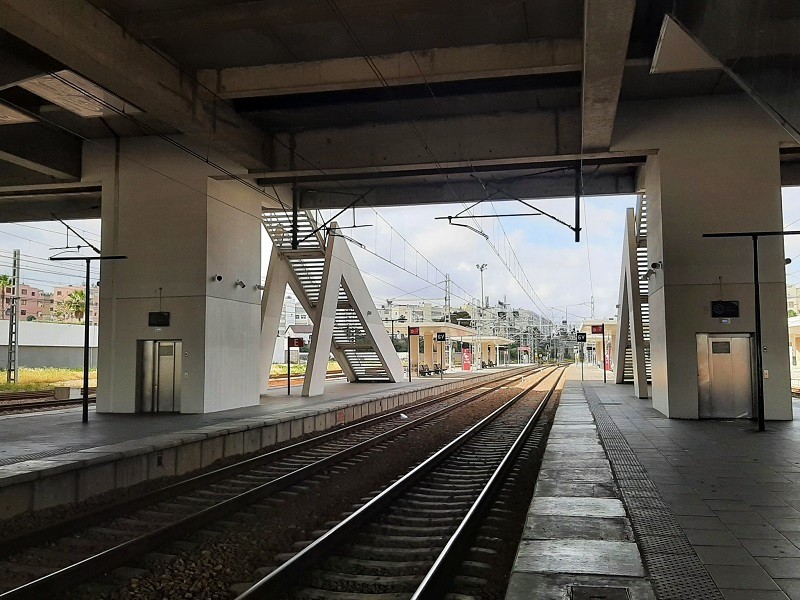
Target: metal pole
column 603, row 332
column 87, row 296
column 288, row 368
column 581, row 361
column 12, row 367
column 441, row 359
column 408, row 337
column 578, row 202
column 759, row 359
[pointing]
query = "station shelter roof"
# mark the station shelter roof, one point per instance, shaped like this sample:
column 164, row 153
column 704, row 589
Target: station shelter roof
column 497, row 340
column 611, row 327
column 452, row 330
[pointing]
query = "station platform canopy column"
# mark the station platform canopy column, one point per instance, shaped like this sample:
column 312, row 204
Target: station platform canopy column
column 715, row 167
column 192, row 244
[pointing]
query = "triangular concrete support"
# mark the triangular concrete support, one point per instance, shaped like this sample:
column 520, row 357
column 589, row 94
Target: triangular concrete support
column 341, row 270
column 630, row 313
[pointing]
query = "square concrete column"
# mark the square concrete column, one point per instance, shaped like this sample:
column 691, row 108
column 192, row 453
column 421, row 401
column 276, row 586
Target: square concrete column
column 427, row 348
column 716, row 169
column 413, row 354
column 179, row 228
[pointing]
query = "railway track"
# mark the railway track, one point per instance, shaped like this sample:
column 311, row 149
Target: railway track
column 6, row 408
column 412, row 539
column 44, row 562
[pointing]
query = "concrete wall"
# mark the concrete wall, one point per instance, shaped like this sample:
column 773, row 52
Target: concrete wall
column 716, row 170
column 51, row 356
column 177, row 228
column 52, row 345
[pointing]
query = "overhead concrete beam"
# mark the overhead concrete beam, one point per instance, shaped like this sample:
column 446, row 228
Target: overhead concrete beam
column 542, row 186
column 252, row 13
column 403, row 68
column 74, row 200
column 606, row 32
column 432, row 142
column 472, row 167
column 89, row 42
column 37, row 148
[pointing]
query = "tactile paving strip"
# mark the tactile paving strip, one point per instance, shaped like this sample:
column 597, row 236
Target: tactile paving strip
column 675, row 569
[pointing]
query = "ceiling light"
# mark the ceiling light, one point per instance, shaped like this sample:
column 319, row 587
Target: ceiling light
column 10, row 116
column 77, row 94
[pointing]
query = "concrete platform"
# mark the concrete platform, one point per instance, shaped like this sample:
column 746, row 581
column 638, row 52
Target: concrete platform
column 51, row 458
column 578, row 541
column 715, row 504
column 713, row 507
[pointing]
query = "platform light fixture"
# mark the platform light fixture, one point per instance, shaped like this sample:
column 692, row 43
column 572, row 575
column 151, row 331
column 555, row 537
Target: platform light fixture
column 77, row 94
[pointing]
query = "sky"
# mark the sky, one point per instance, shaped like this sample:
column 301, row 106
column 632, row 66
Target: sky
column 400, row 242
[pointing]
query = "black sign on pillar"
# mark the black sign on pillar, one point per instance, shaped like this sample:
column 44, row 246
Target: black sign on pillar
column 724, row 308
column 581, row 337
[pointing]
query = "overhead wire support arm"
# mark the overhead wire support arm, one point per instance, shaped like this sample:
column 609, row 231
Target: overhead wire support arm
column 334, row 217
column 88, row 243
column 531, row 206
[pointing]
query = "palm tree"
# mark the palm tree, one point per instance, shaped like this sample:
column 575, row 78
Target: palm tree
column 5, row 281
column 75, row 304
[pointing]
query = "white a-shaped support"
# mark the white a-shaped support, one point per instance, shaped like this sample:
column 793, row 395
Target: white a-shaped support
column 341, row 271
column 629, row 317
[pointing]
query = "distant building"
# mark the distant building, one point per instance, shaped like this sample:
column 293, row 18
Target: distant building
column 293, row 313
column 793, row 299
column 61, row 293
column 34, row 304
column 303, row 331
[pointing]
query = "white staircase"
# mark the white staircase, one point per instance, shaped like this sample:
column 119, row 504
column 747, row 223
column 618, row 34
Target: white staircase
column 642, row 267
column 351, row 345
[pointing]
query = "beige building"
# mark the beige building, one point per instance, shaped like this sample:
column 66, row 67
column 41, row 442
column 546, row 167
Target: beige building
column 60, row 294
column 793, row 299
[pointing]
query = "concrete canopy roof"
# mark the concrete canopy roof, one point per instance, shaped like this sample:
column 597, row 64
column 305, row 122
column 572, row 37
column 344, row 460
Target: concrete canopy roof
column 497, row 340
column 452, row 330
column 322, row 91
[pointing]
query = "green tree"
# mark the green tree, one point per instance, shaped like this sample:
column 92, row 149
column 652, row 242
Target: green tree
column 5, row 281
column 74, row 305
column 792, row 313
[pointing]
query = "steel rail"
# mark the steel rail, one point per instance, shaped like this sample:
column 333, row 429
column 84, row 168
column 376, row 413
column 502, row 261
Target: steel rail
column 276, row 584
column 4, row 408
column 37, row 537
column 134, row 548
column 440, row 575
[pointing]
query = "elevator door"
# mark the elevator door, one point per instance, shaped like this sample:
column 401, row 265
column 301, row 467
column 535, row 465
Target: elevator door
column 724, row 376
column 160, row 368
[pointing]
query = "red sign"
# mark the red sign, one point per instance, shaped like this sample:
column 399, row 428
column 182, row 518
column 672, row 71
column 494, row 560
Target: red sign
column 466, row 359
column 413, row 331
column 295, row 342
column 597, row 329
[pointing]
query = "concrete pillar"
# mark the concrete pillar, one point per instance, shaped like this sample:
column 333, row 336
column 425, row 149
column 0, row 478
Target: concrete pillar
column 178, row 228
column 413, row 353
column 427, row 349
column 716, row 170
